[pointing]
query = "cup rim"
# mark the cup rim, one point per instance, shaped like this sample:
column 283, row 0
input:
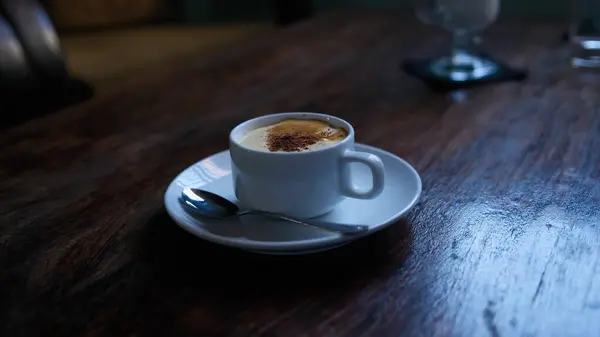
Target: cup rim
column 284, row 115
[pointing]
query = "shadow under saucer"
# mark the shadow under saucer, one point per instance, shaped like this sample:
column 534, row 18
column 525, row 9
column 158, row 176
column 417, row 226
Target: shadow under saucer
column 173, row 256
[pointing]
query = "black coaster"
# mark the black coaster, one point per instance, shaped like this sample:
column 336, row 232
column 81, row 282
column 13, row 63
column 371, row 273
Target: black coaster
column 420, row 68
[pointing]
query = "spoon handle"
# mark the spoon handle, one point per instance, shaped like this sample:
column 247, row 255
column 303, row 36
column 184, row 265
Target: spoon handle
column 339, row 228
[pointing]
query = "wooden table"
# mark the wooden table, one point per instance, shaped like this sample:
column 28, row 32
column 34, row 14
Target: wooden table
column 504, row 242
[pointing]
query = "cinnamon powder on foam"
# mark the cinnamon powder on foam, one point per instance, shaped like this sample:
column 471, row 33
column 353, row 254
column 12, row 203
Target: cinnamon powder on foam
column 293, row 135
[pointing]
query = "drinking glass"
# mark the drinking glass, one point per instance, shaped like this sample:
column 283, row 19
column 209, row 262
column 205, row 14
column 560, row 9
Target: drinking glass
column 464, row 18
column 585, row 33
column 428, row 11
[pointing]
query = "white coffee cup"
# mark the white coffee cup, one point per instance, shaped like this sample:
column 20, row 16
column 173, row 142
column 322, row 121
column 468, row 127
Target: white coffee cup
column 302, row 184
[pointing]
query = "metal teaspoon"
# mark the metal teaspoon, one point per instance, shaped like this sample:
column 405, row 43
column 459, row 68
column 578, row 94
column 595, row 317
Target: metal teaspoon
column 214, row 206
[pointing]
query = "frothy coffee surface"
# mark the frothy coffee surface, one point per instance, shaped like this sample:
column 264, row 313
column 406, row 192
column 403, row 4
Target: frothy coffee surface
column 293, row 135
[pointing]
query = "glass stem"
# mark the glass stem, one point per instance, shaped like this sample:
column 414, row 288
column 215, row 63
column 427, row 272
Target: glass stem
column 461, row 44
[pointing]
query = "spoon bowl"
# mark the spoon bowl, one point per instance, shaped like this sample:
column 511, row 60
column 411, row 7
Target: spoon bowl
column 209, row 204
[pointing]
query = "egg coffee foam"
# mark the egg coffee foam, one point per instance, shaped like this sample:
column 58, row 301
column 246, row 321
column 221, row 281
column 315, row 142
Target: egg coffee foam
column 293, row 135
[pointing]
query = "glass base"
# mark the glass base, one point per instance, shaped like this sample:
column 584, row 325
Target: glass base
column 442, row 75
column 585, row 58
column 463, row 66
column 588, row 62
column 585, row 52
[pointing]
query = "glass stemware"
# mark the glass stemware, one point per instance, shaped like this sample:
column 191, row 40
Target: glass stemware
column 585, row 33
column 464, row 18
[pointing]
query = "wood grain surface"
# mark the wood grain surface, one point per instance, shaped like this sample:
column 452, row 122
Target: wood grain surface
column 504, row 242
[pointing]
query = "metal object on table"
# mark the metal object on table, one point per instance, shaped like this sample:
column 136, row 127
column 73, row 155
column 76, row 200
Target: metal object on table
column 34, row 78
column 38, row 38
column 14, row 69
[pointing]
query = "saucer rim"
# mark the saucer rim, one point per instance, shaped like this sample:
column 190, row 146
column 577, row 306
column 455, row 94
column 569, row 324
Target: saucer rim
column 297, row 246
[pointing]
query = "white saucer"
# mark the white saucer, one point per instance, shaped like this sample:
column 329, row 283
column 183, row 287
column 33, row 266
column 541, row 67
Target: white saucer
column 261, row 235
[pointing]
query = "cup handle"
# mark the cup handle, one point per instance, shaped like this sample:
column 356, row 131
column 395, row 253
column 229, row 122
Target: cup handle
column 377, row 170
